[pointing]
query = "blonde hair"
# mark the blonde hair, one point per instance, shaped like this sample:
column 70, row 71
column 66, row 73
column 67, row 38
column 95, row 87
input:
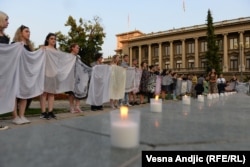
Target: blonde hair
column 3, row 17
column 18, row 37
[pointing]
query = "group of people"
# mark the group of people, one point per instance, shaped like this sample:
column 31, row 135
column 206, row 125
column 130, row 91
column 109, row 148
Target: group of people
column 22, row 35
column 147, row 82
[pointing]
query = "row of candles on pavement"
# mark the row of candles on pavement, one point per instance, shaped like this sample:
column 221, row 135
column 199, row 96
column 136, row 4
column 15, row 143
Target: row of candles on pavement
column 187, row 99
column 125, row 125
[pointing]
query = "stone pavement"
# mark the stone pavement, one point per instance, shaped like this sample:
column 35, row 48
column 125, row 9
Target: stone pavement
column 83, row 140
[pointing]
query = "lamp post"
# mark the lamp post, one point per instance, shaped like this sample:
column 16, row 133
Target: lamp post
column 241, row 60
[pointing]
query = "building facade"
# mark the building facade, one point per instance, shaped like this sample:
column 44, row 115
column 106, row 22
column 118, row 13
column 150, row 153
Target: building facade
column 183, row 50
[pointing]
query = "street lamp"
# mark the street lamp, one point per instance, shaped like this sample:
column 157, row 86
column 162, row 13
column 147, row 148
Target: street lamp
column 241, row 60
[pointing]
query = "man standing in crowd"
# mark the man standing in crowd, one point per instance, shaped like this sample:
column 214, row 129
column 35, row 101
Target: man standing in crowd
column 125, row 64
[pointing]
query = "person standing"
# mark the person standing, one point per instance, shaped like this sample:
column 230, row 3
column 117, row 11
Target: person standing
column 4, row 22
column 143, row 88
column 74, row 102
column 50, row 43
column 174, row 78
column 221, row 84
column 98, row 61
column 22, row 35
column 151, row 83
column 132, row 94
column 212, row 81
column 115, row 62
column 125, row 64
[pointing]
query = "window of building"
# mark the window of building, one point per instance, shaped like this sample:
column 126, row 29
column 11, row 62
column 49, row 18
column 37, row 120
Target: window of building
column 156, row 52
column 203, row 46
column 219, row 44
column 233, row 43
column 248, row 62
column 190, row 63
column 145, row 53
column 203, row 63
column 178, row 49
column 136, row 53
column 178, row 64
column 247, row 42
column 167, row 50
column 190, row 47
column 167, row 65
column 233, row 63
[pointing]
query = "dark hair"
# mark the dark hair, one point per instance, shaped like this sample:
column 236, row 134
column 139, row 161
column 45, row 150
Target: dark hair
column 173, row 73
column 46, row 43
column 22, row 27
column 142, row 63
column 124, row 56
column 97, row 56
column 163, row 73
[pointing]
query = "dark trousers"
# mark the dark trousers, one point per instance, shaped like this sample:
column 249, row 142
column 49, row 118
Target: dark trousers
column 150, row 96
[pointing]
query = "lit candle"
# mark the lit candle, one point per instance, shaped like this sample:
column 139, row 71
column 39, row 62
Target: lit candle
column 156, row 104
column 125, row 128
column 186, row 100
column 200, row 98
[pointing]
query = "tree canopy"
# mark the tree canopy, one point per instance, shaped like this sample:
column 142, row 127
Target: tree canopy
column 213, row 59
column 89, row 35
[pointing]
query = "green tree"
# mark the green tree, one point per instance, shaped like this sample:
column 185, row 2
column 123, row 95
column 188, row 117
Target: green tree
column 213, row 59
column 89, row 35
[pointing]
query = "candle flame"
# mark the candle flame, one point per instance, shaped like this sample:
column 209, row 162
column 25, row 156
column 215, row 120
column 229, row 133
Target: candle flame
column 156, row 97
column 124, row 112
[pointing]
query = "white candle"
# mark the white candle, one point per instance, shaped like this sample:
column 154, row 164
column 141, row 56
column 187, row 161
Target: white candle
column 124, row 134
column 200, row 98
column 209, row 96
column 156, row 105
column 186, row 100
column 124, row 128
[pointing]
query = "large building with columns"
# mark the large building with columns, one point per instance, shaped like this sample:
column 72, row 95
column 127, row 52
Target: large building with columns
column 183, row 50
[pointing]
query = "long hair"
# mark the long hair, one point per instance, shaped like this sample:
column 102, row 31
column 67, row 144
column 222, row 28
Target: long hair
column 3, row 17
column 18, row 37
column 114, row 60
column 46, row 42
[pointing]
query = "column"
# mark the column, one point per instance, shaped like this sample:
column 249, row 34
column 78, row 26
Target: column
column 196, row 53
column 149, row 55
column 171, row 55
column 242, row 55
column 183, row 57
column 225, row 54
column 130, row 55
column 140, row 59
column 160, row 56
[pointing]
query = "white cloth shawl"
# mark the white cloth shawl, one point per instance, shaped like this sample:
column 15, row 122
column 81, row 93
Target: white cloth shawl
column 31, row 74
column 138, row 74
column 59, row 71
column 117, row 82
column 9, row 63
column 99, row 85
column 130, row 79
column 22, row 73
column 82, row 76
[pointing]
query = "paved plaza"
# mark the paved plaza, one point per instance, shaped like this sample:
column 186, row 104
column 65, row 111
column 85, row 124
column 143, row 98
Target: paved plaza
column 83, row 140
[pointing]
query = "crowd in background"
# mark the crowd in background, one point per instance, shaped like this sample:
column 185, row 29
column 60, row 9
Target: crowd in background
column 153, row 81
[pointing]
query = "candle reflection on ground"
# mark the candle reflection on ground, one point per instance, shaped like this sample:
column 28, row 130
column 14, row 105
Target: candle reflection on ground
column 185, row 109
